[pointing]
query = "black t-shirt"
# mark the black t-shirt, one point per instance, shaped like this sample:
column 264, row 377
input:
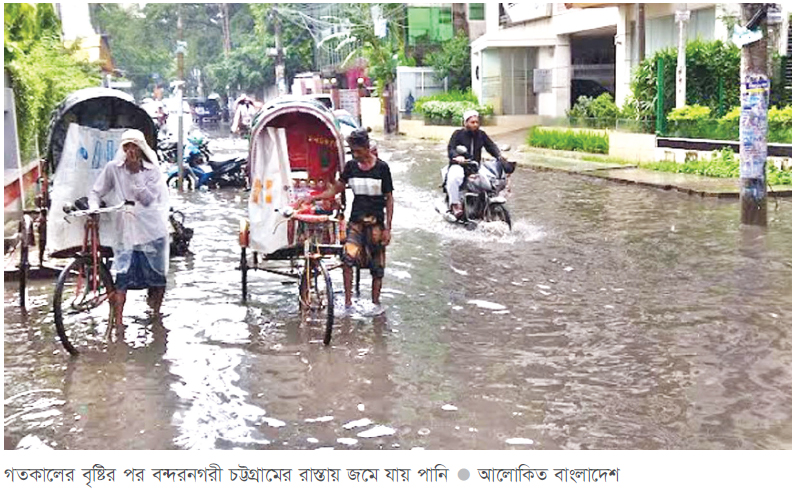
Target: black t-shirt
column 369, row 187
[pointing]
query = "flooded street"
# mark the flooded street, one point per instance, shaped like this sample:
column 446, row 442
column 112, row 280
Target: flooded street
column 611, row 317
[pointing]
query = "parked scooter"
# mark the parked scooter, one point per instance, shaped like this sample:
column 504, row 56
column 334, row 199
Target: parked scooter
column 480, row 192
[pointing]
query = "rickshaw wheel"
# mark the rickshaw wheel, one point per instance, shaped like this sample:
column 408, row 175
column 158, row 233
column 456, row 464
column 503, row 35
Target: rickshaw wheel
column 316, row 295
column 76, row 305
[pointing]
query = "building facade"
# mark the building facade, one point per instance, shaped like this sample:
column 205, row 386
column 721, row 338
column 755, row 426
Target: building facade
column 537, row 58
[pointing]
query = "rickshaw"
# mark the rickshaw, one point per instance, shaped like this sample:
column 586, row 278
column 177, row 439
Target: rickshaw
column 84, row 134
column 295, row 150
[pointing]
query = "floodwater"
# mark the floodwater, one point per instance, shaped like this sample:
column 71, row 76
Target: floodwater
column 611, row 317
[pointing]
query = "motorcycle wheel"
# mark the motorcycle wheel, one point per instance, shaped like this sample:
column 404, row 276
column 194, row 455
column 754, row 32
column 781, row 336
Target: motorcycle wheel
column 498, row 212
column 188, row 182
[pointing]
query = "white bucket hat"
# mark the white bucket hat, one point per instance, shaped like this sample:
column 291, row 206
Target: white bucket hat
column 137, row 137
column 469, row 114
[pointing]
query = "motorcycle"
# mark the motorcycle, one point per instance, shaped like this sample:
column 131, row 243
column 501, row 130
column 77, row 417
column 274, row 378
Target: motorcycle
column 480, row 192
column 201, row 169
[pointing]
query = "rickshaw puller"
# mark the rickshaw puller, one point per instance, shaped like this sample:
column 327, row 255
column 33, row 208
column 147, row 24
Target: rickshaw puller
column 140, row 241
column 369, row 228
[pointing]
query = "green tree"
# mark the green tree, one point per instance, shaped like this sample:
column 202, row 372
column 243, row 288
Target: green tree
column 42, row 70
column 453, row 61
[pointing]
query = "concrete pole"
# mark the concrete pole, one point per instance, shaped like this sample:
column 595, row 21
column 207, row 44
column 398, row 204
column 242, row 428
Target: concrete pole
column 179, row 156
column 681, row 18
column 755, row 86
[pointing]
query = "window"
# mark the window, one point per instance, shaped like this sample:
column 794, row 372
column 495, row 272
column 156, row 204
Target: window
column 477, row 11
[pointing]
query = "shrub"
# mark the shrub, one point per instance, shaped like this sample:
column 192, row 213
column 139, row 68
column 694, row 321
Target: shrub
column 708, row 65
column 450, row 96
column 568, row 140
column 451, row 113
column 694, row 122
column 594, row 112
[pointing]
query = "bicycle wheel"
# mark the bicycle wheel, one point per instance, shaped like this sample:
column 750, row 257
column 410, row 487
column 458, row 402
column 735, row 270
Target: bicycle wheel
column 78, row 306
column 316, row 296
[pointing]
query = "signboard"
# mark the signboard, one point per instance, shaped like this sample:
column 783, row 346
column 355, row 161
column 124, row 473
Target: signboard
column 520, row 12
column 350, row 101
column 542, row 81
column 754, row 126
column 742, row 36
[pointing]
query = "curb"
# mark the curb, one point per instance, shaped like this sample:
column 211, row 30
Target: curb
column 594, row 173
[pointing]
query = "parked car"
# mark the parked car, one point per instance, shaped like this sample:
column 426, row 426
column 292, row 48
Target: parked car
column 207, row 110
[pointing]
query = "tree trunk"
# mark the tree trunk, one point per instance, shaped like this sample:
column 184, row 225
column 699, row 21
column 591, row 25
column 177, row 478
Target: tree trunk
column 459, row 22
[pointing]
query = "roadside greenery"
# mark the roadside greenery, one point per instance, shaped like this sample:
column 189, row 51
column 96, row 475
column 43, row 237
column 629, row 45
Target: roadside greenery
column 722, row 164
column 712, row 78
column 451, row 113
column 696, row 121
column 599, row 112
column 569, row 140
column 453, row 61
column 42, row 70
column 449, row 96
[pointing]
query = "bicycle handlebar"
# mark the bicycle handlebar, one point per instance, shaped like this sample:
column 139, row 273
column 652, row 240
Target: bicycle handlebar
column 72, row 211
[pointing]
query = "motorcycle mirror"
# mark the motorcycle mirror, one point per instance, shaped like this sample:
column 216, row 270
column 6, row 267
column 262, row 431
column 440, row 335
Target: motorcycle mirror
column 460, row 149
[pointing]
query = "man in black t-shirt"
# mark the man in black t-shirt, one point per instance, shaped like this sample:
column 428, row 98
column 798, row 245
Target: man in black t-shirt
column 369, row 228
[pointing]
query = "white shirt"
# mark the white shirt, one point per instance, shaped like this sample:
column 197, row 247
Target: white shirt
column 147, row 220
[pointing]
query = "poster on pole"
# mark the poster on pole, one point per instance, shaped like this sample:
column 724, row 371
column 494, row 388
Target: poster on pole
column 754, row 126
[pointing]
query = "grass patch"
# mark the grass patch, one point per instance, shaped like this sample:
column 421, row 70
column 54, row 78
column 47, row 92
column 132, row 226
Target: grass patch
column 569, row 140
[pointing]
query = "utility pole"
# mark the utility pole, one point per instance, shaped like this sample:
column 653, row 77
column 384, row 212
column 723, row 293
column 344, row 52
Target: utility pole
column 753, row 129
column 280, row 69
column 179, row 156
column 681, row 16
column 640, row 26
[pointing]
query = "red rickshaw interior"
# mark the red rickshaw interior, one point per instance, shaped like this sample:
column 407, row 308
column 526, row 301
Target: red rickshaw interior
column 311, row 145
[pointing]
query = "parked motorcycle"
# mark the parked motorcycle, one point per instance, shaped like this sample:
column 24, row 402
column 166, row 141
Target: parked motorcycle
column 201, row 169
column 480, row 192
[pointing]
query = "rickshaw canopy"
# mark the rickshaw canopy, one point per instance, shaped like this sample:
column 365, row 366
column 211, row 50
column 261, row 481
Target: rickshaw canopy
column 99, row 108
column 313, row 139
column 295, row 150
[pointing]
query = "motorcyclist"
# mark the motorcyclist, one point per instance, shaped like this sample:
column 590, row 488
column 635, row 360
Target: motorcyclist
column 474, row 140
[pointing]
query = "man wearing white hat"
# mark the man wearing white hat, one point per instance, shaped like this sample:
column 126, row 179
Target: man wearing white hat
column 141, row 236
column 474, row 140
